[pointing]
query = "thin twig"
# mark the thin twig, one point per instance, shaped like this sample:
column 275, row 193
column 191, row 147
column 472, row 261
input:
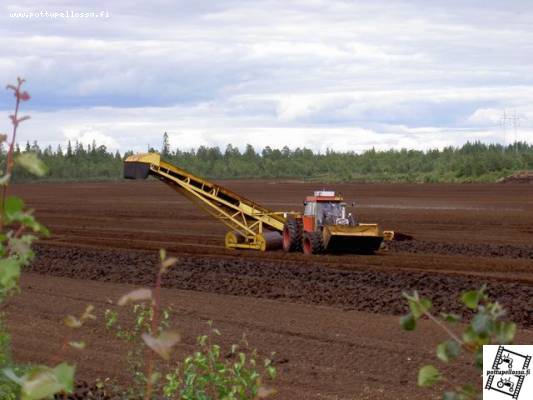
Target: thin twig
column 9, row 163
column 59, row 355
column 444, row 327
column 154, row 328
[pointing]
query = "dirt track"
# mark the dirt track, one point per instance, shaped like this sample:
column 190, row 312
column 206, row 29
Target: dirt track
column 465, row 235
column 310, row 283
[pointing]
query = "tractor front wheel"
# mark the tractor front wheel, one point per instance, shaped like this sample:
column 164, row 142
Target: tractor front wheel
column 313, row 243
column 292, row 235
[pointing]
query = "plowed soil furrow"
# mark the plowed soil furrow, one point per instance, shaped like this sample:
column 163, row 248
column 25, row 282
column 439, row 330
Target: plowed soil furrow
column 465, row 249
column 374, row 291
column 331, row 319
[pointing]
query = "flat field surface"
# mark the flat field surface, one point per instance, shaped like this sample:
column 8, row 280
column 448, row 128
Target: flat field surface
column 332, row 320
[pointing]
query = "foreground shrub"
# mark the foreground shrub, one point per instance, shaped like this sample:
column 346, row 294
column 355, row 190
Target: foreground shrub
column 18, row 231
column 487, row 326
column 208, row 373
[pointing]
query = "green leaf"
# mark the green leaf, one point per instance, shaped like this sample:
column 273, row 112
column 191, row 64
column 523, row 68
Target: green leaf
column 448, row 350
column 450, row 318
column 428, row 376
column 25, row 218
column 408, row 322
column 202, row 340
column 451, row 396
column 30, row 221
column 481, row 324
column 471, row 299
column 478, row 358
column 419, row 307
column 13, row 205
column 31, row 163
column 64, row 374
column 111, row 318
column 154, row 378
column 9, row 273
column 505, row 332
column 11, row 375
column 40, row 383
column 469, row 335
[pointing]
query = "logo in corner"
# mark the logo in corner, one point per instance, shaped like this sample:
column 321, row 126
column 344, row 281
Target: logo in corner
column 506, row 372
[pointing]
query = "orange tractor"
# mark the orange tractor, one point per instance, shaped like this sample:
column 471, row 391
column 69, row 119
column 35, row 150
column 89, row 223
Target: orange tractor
column 326, row 227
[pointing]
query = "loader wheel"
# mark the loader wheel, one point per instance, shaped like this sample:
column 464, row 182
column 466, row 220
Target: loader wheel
column 313, row 243
column 292, row 235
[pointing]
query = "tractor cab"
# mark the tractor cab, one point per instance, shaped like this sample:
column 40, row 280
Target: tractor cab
column 326, row 227
column 325, row 208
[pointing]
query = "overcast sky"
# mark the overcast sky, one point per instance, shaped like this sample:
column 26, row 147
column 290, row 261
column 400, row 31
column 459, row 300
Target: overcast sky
column 344, row 75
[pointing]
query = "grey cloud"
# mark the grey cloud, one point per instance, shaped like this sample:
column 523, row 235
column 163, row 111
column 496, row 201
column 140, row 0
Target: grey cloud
column 278, row 64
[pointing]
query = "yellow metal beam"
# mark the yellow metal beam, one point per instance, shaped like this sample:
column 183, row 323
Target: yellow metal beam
column 248, row 221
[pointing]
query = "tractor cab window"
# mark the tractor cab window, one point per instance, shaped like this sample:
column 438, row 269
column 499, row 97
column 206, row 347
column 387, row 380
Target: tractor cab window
column 329, row 212
column 332, row 209
column 310, row 208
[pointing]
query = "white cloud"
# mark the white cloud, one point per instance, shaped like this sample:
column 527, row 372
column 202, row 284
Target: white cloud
column 352, row 74
column 206, row 125
column 485, row 116
column 88, row 135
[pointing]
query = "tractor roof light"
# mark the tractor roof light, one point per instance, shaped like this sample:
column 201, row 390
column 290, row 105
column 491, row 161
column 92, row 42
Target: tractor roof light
column 324, row 193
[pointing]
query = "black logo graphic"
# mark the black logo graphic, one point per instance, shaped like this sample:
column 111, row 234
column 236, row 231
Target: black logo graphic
column 508, row 372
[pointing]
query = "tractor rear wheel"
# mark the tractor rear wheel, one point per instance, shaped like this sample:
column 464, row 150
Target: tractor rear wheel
column 292, row 235
column 313, row 243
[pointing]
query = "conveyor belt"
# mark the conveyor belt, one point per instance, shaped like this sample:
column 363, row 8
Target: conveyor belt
column 252, row 226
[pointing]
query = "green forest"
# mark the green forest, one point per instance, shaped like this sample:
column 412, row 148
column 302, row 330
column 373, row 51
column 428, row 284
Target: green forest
column 473, row 162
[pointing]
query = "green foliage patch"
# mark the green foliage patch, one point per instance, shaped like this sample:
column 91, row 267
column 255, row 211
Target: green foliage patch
column 472, row 162
column 487, row 326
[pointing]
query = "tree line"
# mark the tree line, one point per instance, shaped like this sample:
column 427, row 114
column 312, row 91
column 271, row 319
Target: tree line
column 472, row 162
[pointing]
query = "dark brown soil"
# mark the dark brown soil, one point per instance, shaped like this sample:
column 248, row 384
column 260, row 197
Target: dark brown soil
column 312, row 283
column 86, row 391
column 464, row 249
column 332, row 317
